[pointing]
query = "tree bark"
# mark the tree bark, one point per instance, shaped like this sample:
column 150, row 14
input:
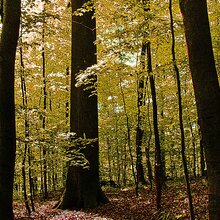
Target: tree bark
column 206, row 88
column 147, row 148
column 158, row 161
column 182, row 132
column 8, row 44
column 202, row 157
column 139, row 128
column 44, row 151
column 67, row 97
column 26, row 135
column 26, row 130
column 128, row 128
column 82, row 185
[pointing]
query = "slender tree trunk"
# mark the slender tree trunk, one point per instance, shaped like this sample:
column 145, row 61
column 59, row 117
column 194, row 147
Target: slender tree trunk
column 27, row 135
column 147, row 149
column 24, row 181
column 140, row 129
column 124, row 159
column 206, row 88
column 183, row 147
column 8, row 44
column 162, row 138
column 44, row 152
column 129, row 137
column 158, row 162
column 158, row 169
column 26, row 131
column 117, row 152
column 202, row 157
column 67, row 98
column 31, row 181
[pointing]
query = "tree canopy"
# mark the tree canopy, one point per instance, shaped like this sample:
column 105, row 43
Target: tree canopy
column 125, row 34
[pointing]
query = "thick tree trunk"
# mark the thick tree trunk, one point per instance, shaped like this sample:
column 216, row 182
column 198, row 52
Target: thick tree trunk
column 82, row 185
column 8, row 44
column 206, row 87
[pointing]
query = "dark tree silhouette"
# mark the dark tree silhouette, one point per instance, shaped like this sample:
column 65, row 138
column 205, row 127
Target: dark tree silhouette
column 158, row 161
column 8, row 44
column 182, row 132
column 206, row 88
column 82, row 186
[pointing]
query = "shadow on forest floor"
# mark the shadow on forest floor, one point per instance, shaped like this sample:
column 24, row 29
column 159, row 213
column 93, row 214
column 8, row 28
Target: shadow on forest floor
column 125, row 205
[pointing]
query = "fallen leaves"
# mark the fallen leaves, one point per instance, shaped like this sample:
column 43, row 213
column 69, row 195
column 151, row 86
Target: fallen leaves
column 125, row 205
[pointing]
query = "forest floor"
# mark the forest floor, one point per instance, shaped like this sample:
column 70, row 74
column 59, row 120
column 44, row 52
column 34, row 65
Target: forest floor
column 125, row 205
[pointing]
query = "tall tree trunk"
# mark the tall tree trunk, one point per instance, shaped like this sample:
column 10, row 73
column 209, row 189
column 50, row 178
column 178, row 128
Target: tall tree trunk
column 8, row 44
column 31, row 180
column 26, row 130
column 140, row 129
column 27, row 134
column 24, row 180
column 158, row 168
column 82, row 185
column 124, row 161
column 117, row 153
column 147, row 148
column 206, row 88
column 162, row 139
column 129, row 137
column 183, row 146
column 158, row 161
column 67, row 96
column 44, row 152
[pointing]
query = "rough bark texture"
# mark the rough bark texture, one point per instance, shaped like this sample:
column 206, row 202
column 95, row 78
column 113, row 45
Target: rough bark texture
column 206, row 87
column 82, row 186
column 8, row 44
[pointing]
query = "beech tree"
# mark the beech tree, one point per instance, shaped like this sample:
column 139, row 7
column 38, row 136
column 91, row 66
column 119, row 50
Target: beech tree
column 8, row 44
column 82, row 184
column 206, row 88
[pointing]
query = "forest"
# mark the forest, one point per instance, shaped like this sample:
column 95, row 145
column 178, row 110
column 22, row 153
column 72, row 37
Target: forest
column 109, row 110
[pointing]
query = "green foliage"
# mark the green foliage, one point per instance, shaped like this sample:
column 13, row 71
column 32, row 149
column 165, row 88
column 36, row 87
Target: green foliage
column 122, row 27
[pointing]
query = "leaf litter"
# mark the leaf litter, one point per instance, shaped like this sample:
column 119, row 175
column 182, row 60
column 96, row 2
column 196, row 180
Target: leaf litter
column 125, row 205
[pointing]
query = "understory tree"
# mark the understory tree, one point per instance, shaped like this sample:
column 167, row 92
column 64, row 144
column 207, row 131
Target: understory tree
column 182, row 131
